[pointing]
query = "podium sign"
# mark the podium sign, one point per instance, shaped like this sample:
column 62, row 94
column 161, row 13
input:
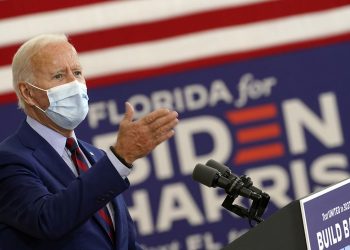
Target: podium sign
column 326, row 218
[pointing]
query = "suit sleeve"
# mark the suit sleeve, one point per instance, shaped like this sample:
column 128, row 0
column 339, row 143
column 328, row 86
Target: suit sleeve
column 28, row 206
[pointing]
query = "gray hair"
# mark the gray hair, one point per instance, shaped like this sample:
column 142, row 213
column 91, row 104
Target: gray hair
column 22, row 68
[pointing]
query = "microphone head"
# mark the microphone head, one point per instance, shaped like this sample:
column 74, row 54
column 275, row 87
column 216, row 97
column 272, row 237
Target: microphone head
column 218, row 166
column 205, row 175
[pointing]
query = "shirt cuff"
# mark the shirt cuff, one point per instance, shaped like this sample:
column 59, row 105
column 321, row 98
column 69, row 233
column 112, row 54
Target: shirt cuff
column 120, row 167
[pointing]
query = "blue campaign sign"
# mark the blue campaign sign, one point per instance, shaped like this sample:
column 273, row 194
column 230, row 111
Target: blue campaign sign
column 260, row 86
column 280, row 119
column 326, row 218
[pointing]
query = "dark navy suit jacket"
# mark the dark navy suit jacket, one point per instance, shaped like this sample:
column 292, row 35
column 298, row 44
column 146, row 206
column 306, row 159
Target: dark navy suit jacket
column 44, row 206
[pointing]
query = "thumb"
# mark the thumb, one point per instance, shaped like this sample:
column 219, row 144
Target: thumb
column 129, row 112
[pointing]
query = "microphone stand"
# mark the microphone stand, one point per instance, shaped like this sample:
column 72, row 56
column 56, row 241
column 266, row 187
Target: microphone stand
column 257, row 208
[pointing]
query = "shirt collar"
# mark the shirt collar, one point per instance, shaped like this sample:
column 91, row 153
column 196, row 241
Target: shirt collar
column 55, row 139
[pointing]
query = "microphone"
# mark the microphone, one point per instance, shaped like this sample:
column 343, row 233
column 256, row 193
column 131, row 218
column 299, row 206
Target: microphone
column 205, row 175
column 226, row 172
column 212, row 177
column 215, row 174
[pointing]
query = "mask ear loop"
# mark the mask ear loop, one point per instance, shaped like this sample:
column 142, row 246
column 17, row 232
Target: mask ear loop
column 36, row 86
column 38, row 89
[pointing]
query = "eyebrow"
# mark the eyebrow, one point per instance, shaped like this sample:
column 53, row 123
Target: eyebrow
column 64, row 70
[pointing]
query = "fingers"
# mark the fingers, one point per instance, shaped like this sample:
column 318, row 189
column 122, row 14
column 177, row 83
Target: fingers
column 165, row 127
column 160, row 125
column 155, row 115
column 165, row 122
column 129, row 112
column 164, row 136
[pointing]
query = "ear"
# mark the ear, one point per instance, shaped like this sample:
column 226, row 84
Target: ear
column 26, row 93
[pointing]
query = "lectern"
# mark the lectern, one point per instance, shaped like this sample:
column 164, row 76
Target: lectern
column 320, row 221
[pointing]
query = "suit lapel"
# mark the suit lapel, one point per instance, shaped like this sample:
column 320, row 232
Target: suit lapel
column 119, row 227
column 92, row 154
column 121, row 221
column 45, row 154
column 54, row 163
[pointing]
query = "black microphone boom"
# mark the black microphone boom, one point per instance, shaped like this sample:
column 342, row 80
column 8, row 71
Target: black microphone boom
column 215, row 174
column 213, row 178
column 226, row 172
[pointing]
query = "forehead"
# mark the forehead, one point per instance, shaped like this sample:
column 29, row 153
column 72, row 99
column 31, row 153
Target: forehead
column 55, row 56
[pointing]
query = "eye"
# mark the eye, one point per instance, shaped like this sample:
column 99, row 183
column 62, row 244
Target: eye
column 58, row 76
column 78, row 73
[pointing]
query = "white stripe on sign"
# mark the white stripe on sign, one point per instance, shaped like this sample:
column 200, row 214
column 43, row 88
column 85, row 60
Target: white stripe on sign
column 105, row 15
column 206, row 44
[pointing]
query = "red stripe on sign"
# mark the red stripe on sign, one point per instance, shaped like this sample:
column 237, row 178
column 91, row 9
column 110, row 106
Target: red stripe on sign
column 128, row 77
column 195, row 23
column 252, row 114
column 183, row 25
column 11, row 8
column 259, row 153
column 8, row 98
column 7, row 54
column 258, row 133
column 23, row 7
column 124, row 77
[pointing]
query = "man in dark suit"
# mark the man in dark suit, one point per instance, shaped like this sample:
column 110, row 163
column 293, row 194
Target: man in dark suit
column 57, row 192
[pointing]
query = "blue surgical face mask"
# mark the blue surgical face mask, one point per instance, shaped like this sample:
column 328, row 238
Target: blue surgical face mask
column 68, row 104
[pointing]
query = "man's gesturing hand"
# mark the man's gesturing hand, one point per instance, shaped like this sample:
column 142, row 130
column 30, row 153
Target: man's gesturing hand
column 138, row 138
